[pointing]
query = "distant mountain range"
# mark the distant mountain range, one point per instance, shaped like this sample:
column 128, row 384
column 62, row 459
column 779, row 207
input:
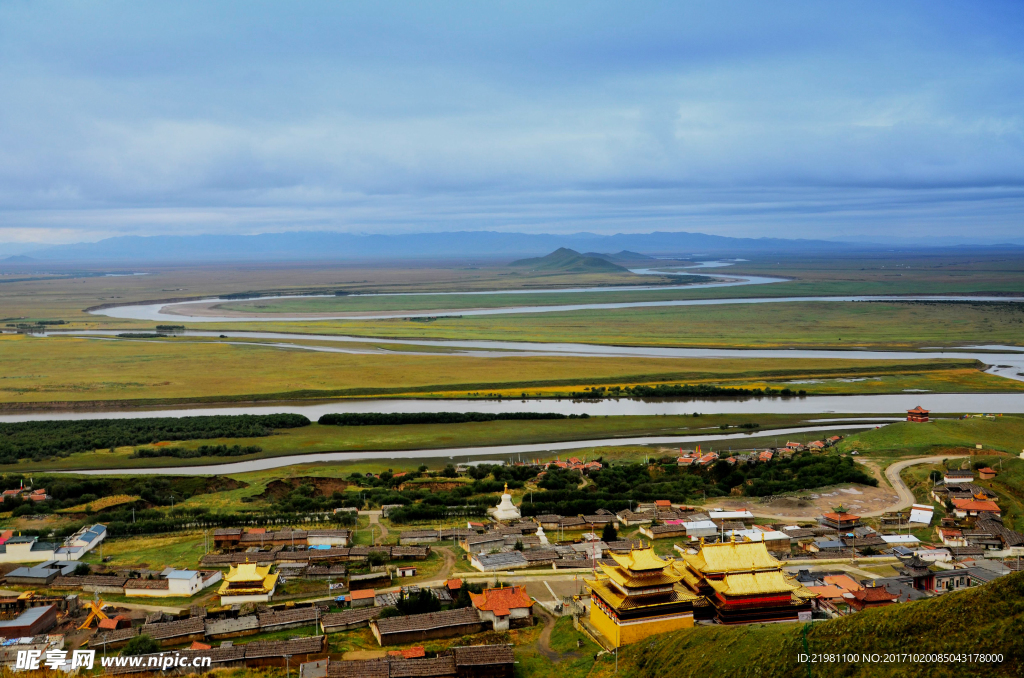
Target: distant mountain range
column 333, row 246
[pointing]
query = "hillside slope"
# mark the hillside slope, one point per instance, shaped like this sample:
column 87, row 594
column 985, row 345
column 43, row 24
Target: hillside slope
column 565, row 260
column 986, row 619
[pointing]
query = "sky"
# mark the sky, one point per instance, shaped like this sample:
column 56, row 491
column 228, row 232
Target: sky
column 840, row 120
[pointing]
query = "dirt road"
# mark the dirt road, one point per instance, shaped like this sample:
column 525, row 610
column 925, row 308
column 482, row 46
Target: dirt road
column 892, row 476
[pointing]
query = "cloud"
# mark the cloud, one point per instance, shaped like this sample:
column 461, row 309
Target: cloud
column 740, row 120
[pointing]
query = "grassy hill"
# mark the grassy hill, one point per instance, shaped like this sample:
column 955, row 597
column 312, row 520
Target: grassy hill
column 1003, row 433
column 625, row 258
column 986, row 619
column 565, row 260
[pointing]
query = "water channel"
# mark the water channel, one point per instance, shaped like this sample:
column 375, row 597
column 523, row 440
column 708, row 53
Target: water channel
column 506, row 451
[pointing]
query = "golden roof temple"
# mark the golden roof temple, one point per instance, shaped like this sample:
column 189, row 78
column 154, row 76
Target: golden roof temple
column 639, row 596
column 247, row 582
column 744, row 583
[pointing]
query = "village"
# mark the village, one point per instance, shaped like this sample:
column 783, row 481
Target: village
column 446, row 600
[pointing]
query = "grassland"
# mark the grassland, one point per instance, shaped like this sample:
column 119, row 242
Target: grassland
column 985, row 619
column 317, row 439
column 426, row 302
column 67, row 370
column 904, row 439
column 182, row 550
column 842, row 326
column 72, row 371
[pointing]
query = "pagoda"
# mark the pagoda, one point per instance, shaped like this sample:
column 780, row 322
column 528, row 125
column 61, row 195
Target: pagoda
column 638, row 597
column 840, row 519
column 918, row 414
column 247, row 583
column 744, row 583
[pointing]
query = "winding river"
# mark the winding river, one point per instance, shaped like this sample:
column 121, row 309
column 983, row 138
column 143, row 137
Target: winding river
column 508, row 451
column 1005, row 361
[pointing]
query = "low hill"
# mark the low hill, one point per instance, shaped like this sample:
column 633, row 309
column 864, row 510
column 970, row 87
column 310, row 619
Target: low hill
column 986, row 619
column 623, row 258
column 565, row 260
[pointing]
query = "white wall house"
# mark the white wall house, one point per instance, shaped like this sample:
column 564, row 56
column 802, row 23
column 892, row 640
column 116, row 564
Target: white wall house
column 328, row 537
column 27, row 550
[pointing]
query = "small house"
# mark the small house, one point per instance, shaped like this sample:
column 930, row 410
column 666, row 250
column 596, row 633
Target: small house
column 505, row 607
column 363, row 598
column 871, row 597
column 957, row 476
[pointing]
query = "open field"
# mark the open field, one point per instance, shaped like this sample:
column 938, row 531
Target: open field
column 65, row 370
column 156, row 552
column 1003, row 433
column 33, row 296
column 836, row 325
column 315, row 438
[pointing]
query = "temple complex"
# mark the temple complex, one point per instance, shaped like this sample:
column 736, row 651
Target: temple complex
column 639, row 596
column 247, row 583
column 744, row 583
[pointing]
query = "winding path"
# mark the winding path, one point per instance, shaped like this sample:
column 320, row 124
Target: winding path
column 892, row 474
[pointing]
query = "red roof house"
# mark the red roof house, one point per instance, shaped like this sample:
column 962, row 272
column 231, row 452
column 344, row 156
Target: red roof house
column 504, row 606
column 964, row 508
column 871, row 596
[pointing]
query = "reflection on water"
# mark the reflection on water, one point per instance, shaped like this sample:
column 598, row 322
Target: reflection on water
column 1011, row 403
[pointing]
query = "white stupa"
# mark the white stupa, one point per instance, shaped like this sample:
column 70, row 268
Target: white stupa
column 540, row 534
column 505, row 510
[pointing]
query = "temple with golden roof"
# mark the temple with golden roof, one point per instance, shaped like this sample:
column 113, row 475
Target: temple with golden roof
column 744, row 583
column 638, row 597
column 247, row 583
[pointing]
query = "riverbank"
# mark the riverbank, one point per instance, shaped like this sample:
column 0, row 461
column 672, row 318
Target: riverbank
column 347, row 443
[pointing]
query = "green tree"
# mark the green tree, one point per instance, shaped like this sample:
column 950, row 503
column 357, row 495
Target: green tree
column 82, row 570
column 141, row 645
column 609, row 533
column 421, row 602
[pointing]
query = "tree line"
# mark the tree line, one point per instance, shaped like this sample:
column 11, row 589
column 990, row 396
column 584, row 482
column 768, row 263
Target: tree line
column 402, row 418
column 201, row 451
column 39, row 440
column 682, row 391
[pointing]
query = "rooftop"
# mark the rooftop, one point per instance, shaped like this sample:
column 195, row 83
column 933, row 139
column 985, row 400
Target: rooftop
column 426, row 622
column 640, row 560
column 733, row 557
column 502, row 600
